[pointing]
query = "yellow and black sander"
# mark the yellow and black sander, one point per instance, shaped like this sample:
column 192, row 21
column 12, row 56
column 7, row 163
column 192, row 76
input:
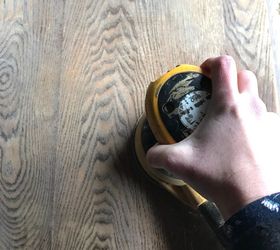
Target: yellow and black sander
column 175, row 104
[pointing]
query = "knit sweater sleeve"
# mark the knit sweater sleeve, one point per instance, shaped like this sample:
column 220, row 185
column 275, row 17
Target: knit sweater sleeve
column 256, row 226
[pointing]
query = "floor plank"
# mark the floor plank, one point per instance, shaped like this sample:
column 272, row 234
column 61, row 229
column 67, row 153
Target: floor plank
column 73, row 77
column 274, row 23
column 28, row 112
column 248, row 40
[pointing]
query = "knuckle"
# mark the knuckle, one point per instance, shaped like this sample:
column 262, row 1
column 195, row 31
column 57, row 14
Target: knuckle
column 229, row 108
column 225, row 62
column 225, row 105
column 234, row 110
column 259, row 105
column 247, row 74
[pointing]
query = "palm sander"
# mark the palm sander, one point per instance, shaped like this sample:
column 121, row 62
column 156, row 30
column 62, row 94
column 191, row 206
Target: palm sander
column 175, row 104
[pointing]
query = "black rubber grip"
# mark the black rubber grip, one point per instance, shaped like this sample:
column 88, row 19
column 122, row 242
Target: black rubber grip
column 214, row 219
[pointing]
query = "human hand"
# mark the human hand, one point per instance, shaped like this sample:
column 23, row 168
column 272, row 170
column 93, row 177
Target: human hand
column 232, row 158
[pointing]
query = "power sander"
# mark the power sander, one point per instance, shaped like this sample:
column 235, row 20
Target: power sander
column 175, row 104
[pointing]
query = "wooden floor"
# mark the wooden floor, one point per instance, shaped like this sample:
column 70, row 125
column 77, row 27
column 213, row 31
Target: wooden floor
column 73, row 76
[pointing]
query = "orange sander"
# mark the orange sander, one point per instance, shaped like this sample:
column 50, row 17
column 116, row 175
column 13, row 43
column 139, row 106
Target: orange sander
column 175, row 104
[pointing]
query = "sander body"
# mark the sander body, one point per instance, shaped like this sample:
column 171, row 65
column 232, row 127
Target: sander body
column 175, row 104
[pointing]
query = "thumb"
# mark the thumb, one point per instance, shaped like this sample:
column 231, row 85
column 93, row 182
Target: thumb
column 176, row 158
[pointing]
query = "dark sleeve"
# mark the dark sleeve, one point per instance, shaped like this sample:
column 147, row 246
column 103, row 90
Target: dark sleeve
column 256, row 227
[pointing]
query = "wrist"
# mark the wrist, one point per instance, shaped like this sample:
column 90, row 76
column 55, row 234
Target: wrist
column 234, row 199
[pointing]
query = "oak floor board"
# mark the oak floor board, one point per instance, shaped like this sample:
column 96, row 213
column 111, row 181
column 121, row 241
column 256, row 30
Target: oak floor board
column 28, row 111
column 274, row 23
column 73, row 76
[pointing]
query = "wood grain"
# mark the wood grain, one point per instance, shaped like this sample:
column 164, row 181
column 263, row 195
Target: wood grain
column 28, row 110
column 73, row 76
column 248, row 41
column 274, row 23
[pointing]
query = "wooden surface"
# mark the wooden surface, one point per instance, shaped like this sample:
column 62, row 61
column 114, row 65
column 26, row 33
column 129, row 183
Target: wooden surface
column 274, row 24
column 73, row 76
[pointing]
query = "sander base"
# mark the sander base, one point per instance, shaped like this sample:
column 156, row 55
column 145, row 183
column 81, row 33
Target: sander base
column 143, row 141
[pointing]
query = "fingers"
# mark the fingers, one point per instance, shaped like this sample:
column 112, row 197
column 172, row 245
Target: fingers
column 222, row 70
column 247, row 82
column 175, row 158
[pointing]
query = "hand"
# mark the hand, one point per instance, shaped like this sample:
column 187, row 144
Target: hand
column 233, row 156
